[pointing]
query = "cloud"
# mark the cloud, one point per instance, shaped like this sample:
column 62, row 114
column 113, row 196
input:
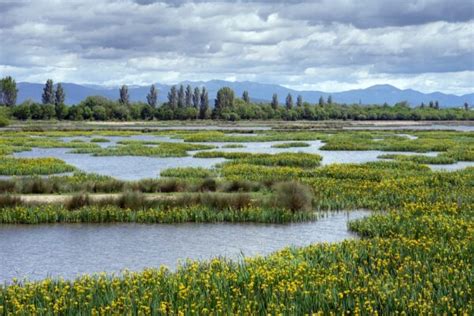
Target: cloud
column 294, row 43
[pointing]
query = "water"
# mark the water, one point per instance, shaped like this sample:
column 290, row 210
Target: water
column 453, row 167
column 69, row 250
column 137, row 167
column 121, row 167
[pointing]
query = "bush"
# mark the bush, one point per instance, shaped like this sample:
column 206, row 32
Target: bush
column 241, row 186
column 4, row 121
column 77, row 201
column 208, row 184
column 293, row 196
column 7, row 200
column 132, row 200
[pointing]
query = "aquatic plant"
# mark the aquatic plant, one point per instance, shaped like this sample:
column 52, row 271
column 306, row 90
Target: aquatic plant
column 33, row 166
column 290, row 145
column 139, row 149
column 188, row 172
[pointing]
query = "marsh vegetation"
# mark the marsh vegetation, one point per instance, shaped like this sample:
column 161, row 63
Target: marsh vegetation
column 421, row 228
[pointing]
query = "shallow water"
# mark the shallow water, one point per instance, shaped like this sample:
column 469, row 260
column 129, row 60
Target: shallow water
column 68, row 250
column 452, row 167
column 121, row 167
column 137, row 167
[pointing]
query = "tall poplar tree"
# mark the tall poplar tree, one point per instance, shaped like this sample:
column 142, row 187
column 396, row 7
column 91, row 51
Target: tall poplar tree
column 196, row 97
column 152, row 97
column 124, row 96
column 189, row 96
column 289, row 102
column 48, row 92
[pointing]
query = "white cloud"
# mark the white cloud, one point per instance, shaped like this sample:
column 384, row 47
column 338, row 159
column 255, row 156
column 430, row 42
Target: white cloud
column 328, row 45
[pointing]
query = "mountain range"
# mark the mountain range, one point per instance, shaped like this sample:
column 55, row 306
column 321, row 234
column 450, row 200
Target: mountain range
column 259, row 92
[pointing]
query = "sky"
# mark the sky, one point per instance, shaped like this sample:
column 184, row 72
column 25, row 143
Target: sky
column 326, row 45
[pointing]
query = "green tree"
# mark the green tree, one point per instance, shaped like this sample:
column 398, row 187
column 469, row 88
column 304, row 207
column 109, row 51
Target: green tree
column 321, row 101
column 224, row 100
column 189, row 96
column 204, row 106
column 60, row 108
column 274, row 103
column 299, row 101
column 289, row 102
column 124, row 96
column 181, row 97
column 8, row 91
column 196, row 97
column 329, row 99
column 245, row 97
column 4, row 114
column 173, row 98
column 59, row 95
column 48, row 92
column 466, row 106
column 22, row 111
column 152, row 97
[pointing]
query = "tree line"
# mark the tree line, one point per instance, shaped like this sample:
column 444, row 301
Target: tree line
column 188, row 103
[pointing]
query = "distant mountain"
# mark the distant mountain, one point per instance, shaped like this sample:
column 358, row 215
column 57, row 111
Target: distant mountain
column 259, row 92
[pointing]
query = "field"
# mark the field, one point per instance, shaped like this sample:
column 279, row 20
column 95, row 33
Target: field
column 413, row 254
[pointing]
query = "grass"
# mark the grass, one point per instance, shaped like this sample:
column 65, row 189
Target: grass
column 179, row 214
column 291, row 145
column 100, row 140
column 233, row 146
column 420, row 158
column 414, row 257
column 137, row 148
column 33, row 166
column 303, row 160
column 188, row 172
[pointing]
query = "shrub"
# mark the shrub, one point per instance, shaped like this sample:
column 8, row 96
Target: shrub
column 7, row 200
column 293, row 196
column 132, row 200
column 208, row 184
column 77, row 201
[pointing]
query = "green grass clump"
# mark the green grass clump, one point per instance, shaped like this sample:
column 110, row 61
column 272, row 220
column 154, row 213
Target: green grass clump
column 291, row 145
column 302, row 160
column 100, row 140
column 32, row 166
column 140, row 149
column 188, row 172
column 420, row 158
column 233, row 146
column 222, row 154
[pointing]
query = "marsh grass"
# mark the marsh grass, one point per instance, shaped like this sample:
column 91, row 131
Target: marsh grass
column 33, row 166
column 291, row 145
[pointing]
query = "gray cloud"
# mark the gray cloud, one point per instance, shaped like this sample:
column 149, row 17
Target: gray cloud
column 339, row 43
